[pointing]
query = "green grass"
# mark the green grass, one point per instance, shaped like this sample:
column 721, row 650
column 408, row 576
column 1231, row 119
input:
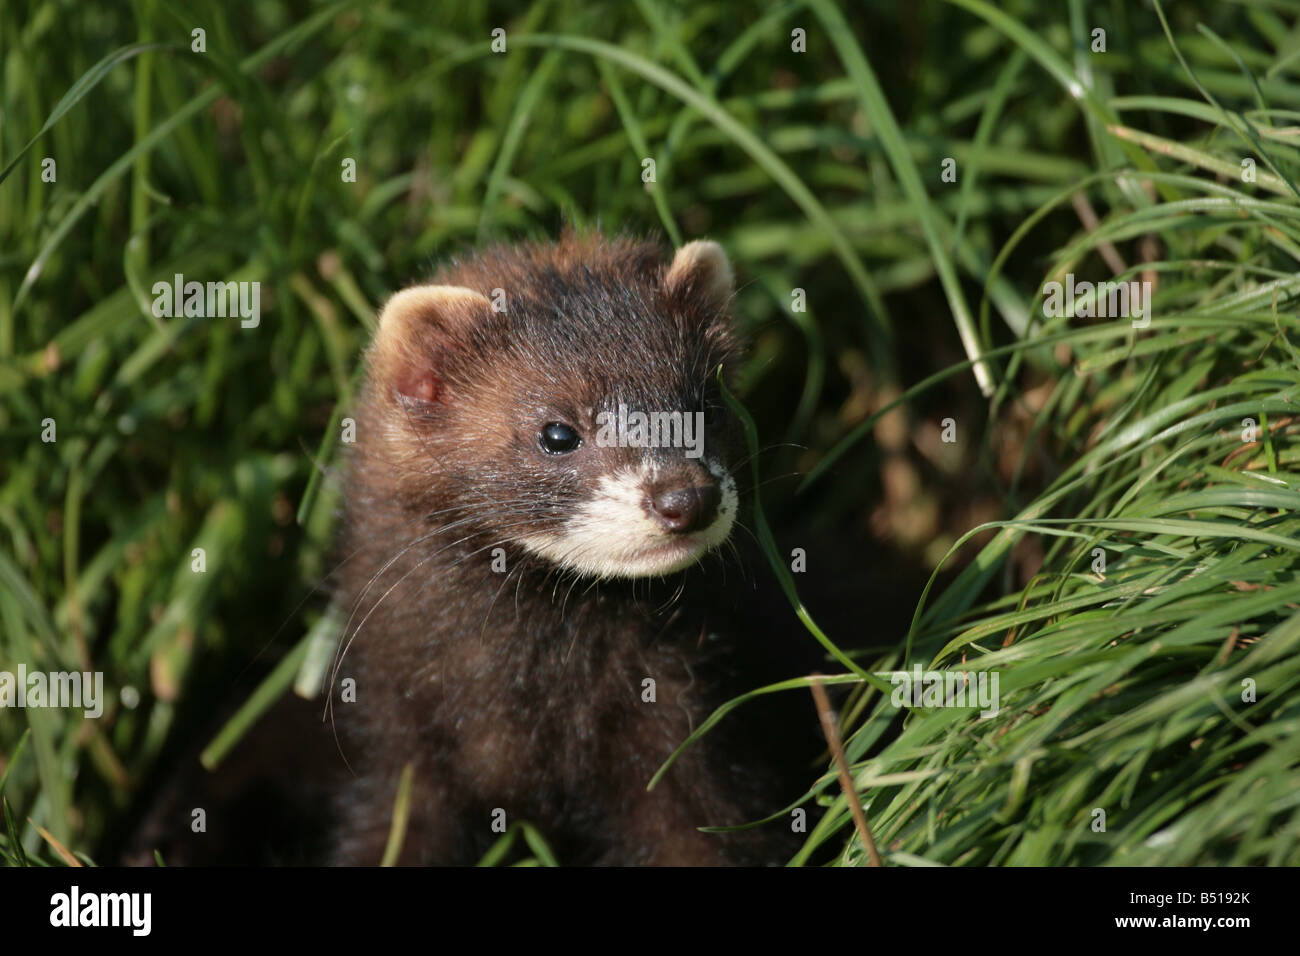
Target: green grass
column 1120, row 691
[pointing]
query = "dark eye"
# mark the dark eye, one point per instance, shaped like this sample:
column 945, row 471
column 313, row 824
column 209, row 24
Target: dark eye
column 558, row 438
column 712, row 414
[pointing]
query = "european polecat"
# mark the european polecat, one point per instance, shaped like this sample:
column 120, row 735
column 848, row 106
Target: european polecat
column 538, row 612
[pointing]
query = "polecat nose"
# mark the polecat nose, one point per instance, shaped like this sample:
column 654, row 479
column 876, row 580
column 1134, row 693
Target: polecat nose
column 686, row 508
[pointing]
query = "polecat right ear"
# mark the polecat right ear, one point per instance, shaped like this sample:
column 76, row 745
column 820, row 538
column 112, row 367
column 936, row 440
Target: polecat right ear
column 413, row 326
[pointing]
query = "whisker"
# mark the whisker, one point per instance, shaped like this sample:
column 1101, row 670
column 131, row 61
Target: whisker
column 766, row 448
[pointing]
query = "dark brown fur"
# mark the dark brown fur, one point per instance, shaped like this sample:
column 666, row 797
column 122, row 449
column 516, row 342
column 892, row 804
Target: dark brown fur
column 523, row 691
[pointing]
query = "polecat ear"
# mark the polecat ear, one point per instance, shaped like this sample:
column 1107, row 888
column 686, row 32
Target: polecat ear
column 704, row 269
column 414, row 324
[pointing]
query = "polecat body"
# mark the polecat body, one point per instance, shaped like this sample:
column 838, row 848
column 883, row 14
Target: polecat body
column 517, row 577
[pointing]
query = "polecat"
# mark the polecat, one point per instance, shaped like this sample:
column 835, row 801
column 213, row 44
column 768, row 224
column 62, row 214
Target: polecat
column 522, row 568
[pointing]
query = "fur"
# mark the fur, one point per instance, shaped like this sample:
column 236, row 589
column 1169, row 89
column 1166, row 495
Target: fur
column 523, row 690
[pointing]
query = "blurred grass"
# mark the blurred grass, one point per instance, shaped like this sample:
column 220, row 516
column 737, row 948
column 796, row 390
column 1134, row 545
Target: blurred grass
column 818, row 171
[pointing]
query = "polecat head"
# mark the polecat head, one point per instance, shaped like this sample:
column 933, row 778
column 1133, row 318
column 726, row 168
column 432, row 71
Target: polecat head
column 563, row 400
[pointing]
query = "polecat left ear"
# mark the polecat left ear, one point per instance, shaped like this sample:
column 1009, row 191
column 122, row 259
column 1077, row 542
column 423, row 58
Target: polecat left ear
column 702, row 268
column 414, row 326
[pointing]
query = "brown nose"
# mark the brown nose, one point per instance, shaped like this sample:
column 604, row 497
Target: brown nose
column 685, row 508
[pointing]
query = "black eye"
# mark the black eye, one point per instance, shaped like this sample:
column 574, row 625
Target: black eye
column 712, row 414
column 558, row 438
